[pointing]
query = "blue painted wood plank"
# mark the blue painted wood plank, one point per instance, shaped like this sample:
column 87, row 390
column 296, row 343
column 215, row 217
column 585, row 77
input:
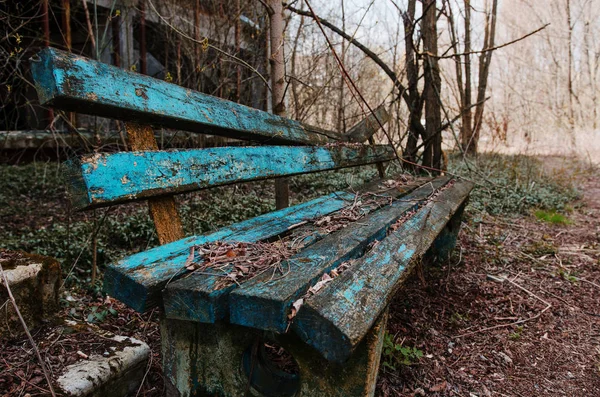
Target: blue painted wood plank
column 336, row 319
column 263, row 304
column 108, row 178
column 365, row 129
column 138, row 279
column 70, row 82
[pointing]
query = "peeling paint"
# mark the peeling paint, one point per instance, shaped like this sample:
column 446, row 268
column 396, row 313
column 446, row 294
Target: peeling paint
column 123, row 176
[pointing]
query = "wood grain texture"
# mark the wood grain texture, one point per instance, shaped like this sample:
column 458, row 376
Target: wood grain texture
column 108, row 178
column 163, row 210
column 365, row 129
column 265, row 303
column 74, row 83
column 195, row 297
column 336, row 319
column 137, row 280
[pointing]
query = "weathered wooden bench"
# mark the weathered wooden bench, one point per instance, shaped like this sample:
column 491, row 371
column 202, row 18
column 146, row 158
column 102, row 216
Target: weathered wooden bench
column 327, row 303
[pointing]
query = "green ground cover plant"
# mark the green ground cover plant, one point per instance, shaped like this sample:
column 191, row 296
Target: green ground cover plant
column 36, row 216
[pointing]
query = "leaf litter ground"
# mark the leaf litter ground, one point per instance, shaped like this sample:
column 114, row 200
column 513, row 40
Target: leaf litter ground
column 555, row 355
column 481, row 319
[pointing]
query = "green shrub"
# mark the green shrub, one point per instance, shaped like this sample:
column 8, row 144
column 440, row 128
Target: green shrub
column 512, row 185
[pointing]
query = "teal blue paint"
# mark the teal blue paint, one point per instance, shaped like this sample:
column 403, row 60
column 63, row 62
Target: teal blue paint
column 336, row 319
column 71, row 82
column 137, row 280
column 122, row 176
column 264, row 303
column 354, row 289
column 42, row 71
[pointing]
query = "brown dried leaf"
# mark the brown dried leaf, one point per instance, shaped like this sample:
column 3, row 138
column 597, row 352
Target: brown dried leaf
column 243, row 269
column 295, row 307
column 190, row 259
column 323, row 220
column 439, row 387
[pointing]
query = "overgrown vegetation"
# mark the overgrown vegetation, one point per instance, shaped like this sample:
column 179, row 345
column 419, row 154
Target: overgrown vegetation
column 36, row 215
column 552, row 217
column 511, row 185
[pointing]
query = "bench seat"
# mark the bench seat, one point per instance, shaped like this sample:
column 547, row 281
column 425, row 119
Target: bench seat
column 138, row 280
column 337, row 318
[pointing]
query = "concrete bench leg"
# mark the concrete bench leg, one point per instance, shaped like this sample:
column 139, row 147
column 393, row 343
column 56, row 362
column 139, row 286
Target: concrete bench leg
column 217, row 359
column 444, row 244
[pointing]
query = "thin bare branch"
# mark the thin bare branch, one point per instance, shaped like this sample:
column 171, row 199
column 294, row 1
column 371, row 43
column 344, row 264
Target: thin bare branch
column 492, row 48
column 205, row 42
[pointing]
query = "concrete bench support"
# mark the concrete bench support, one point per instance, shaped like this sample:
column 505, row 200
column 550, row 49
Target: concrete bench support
column 216, row 360
column 34, row 281
column 445, row 242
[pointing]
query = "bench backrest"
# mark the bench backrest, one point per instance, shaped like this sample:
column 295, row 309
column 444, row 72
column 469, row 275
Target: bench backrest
column 75, row 83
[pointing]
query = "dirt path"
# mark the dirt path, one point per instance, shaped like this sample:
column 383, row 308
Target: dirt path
column 534, row 334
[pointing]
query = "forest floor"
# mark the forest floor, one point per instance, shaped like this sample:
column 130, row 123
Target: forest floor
column 515, row 312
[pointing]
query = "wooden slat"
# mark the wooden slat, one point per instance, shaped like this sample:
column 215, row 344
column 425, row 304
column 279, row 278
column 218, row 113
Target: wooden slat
column 103, row 179
column 336, row 319
column 138, row 279
column 73, row 83
column 368, row 126
column 264, row 303
column 196, row 297
column 163, row 210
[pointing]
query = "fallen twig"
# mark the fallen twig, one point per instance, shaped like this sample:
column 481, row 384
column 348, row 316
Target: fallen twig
column 589, row 282
column 548, row 306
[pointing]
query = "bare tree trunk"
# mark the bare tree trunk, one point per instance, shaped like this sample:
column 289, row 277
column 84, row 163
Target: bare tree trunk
column 431, row 93
column 592, row 66
column 433, row 118
column 238, row 46
column 66, row 27
column 412, row 74
column 282, row 189
column 196, row 74
column 457, row 59
column 116, row 41
column 197, row 45
column 485, row 59
column 66, row 23
column 570, row 77
column 341, row 124
column 143, row 52
column 294, row 82
column 467, row 120
column 269, row 91
column 178, row 63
